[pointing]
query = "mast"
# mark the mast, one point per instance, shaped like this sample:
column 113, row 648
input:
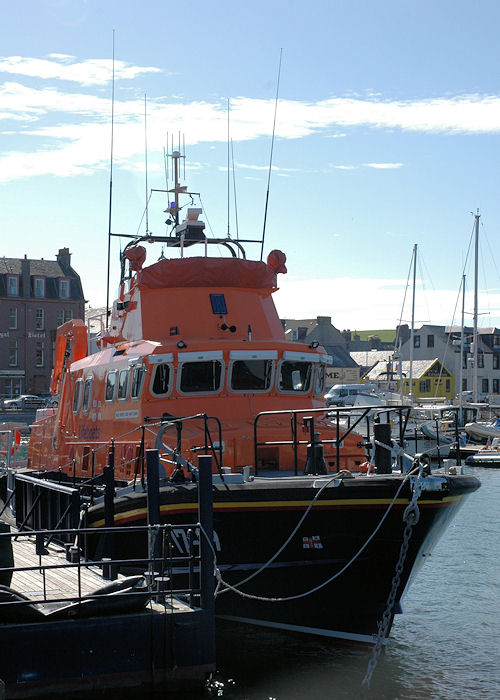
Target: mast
column 412, row 332
column 462, row 338
column 474, row 336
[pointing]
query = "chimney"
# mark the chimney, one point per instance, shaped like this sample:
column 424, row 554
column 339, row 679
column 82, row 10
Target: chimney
column 25, row 277
column 64, row 258
column 324, row 320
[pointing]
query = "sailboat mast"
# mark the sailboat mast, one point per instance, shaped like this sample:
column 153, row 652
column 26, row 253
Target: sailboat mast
column 474, row 336
column 462, row 339
column 412, row 333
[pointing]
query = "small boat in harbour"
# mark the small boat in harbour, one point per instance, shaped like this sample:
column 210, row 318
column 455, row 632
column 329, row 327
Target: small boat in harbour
column 194, row 361
column 482, row 430
column 487, row 456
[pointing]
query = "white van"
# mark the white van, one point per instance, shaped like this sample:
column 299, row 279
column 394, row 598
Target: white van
column 352, row 395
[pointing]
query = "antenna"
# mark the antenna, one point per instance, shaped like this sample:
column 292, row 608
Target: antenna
column 110, row 180
column 228, row 187
column 271, row 156
column 146, row 163
column 234, row 191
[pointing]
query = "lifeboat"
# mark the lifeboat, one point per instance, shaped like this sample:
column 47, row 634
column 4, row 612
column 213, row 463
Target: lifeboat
column 192, row 360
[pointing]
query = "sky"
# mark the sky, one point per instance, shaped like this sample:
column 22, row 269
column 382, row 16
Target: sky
column 387, row 135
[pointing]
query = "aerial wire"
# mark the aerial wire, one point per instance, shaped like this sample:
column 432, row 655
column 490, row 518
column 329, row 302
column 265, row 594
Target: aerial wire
column 110, row 179
column 235, row 201
column 271, row 156
column 146, row 163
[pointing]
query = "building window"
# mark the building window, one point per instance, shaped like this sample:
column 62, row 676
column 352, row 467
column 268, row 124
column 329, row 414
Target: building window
column 496, row 361
column 430, row 341
column 464, row 384
column 13, row 353
column 480, row 359
column 13, row 318
column 39, row 284
column 448, row 386
column 416, row 341
column 64, row 315
column 496, row 386
column 422, row 387
column 485, row 386
column 39, row 319
column 12, row 285
column 39, row 359
column 63, row 289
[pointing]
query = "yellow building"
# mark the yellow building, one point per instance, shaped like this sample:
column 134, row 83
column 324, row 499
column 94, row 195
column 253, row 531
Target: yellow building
column 431, row 379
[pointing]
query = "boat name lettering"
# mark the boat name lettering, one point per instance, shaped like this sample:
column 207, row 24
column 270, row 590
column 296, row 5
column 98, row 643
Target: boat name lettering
column 88, row 432
column 131, row 413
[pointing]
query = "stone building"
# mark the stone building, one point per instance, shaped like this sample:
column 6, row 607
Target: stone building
column 342, row 369
column 36, row 296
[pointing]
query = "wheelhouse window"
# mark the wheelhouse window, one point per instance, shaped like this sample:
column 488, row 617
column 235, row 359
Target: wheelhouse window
column 138, row 373
column 123, row 384
column 251, row 375
column 204, row 376
column 161, row 380
column 39, row 286
column 87, row 394
column 77, row 395
column 319, row 379
column 109, row 394
column 295, row 376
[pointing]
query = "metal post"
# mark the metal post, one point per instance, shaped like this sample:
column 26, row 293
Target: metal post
column 206, row 516
column 153, row 496
column 382, row 434
column 108, row 477
column 153, row 486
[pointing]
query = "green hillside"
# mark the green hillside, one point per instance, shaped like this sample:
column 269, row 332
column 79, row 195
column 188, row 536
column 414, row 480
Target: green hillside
column 386, row 336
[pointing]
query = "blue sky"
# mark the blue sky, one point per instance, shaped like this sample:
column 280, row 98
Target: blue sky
column 387, row 134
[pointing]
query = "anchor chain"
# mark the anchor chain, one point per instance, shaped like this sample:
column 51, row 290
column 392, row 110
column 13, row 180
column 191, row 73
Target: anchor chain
column 410, row 517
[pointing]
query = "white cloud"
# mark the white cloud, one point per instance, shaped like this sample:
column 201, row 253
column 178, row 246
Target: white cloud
column 383, row 166
column 97, row 71
column 345, row 300
column 66, row 132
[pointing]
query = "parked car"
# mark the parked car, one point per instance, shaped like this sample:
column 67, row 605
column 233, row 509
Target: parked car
column 24, row 401
column 52, row 402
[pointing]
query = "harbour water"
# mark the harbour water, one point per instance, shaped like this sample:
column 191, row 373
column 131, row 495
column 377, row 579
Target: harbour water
column 445, row 646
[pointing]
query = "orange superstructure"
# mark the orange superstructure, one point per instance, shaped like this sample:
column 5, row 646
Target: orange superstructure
column 186, row 336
